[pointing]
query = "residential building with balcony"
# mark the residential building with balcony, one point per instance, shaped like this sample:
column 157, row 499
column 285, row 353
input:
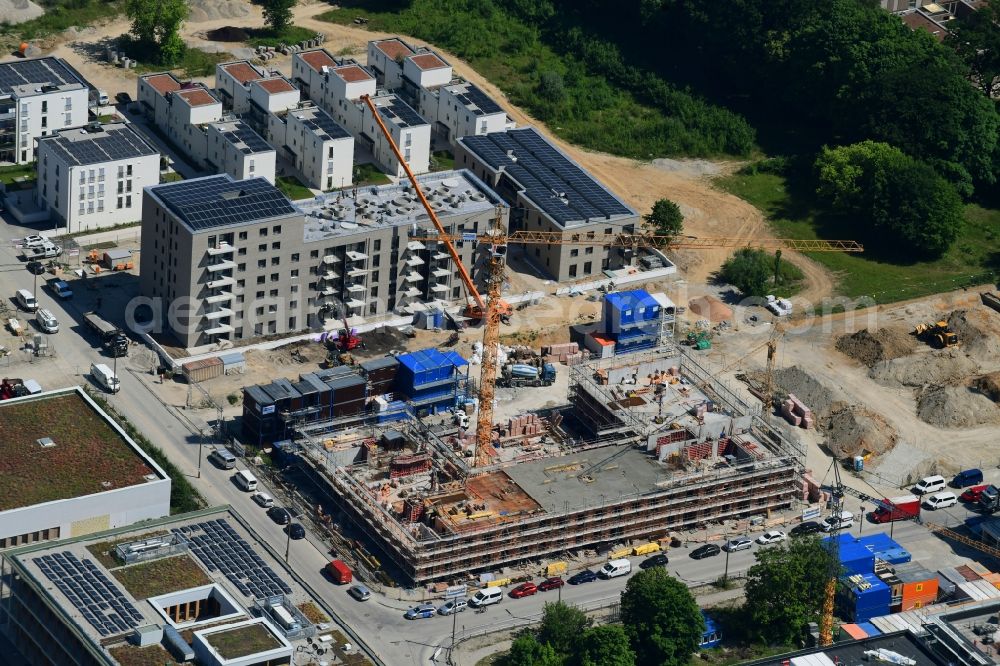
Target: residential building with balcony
column 337, row 85
column 92, row 177
column 234, row 148
column 267, row 97
column 233, row 81
column 320, row 150
column 548, row 191
column 234, row 260
column 38, row 96
column 180, row 111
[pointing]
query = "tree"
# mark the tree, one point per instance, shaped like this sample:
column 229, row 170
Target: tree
column 748, row 270
column 278, row 14
column 799, row 568
column 976, row 40
column 889, row 197
column 527, row 651
column 605, row 646
column 661, row 618
column 666, row 218
column 155, row 27
column 561, row 627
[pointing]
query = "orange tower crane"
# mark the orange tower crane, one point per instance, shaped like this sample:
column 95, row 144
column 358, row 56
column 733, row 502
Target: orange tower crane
column 494, row 308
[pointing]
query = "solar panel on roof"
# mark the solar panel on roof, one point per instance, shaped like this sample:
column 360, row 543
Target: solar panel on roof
column 397, row 108
column 474, row 95
column 217, row 200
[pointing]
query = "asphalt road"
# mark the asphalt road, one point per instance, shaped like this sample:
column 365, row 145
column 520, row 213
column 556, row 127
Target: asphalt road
column 379, row 622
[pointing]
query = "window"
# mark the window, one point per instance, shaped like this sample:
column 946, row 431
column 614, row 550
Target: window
column 128, row 201
column 241, row 283
column 587, row 267
column 45, row 122
column 128, row 169
column 251, row 169
column 376, row 260
column 242, row 252
column 262, row 232
column 45, row 106
column 121, row 170
column 274, row 293
column 119, row 199
column 262, row 247
column 374, row 291
column 314, row 254
column 128, row 185
column 295, row 288
column 274, row 277
column 243, row 235
column 295, row 257
column 275, row 261
column 100, row 205
column 239, row 299
column 291, row 323
column 276, row 229
column 241, row 268
column 68, row 119
column 575, row 252
column 313, row 270
column 295, row 273
column 82, row 207
column 589, row 250
column 572, row 270
column 262, row 263
column 260, row 279
column 260, row 294
column 259, row 311
column 330, row 152
column 377, row 245
column 276, row 245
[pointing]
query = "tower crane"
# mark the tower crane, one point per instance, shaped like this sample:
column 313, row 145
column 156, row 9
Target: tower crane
column 493, row 308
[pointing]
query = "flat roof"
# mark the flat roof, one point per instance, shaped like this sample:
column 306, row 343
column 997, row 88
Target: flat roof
column 242, row 137
column 275, row 85
column 352, row 73
column 425, row 61
column 216, row 201
column 242, row 71
column 163, row 83
column 853, row 652
column 197, row 96
column 398, row 112
column 89, row 454
column 318, row 59
column 474, row 98
column 394, row 47
column 347, row 212
column 557, row 185
column 320, row 122
column 20, row 75
column 93, row 145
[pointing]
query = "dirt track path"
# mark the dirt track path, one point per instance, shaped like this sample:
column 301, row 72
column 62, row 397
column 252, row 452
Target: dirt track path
column 708, row 211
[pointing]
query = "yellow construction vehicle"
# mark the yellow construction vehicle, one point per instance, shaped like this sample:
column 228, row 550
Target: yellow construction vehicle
column 936, row 335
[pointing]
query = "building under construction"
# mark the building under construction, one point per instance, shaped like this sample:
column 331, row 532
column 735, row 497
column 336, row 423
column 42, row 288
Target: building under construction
column 651, row 444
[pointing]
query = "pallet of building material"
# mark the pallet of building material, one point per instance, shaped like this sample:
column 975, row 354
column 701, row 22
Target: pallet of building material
column 798, row 406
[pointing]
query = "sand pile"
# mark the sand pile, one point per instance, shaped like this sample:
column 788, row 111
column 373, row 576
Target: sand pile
column 856, row 430
column 19, row 11
column 956, row 407
column 989, row 385
column 940, row 367
column 211, row 10
column 813, row 394
column 884, row 344
column 978, row 334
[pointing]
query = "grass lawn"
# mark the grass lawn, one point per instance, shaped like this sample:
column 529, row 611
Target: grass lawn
column 156, row 577
column 242, row 641
column 293, row 34
column 62, row 16
column 170, row 177
column 971, row 260
column 9, row 173
column 293, row 188
column 313, row 613
column 194, row 63
column 130, row 655
column 369, row 174
column 442, row 160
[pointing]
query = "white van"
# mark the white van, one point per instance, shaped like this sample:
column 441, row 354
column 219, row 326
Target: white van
column 615, row 568
column 47, row 321
column 245, row 480
column 25, row 300
column 941, row 500
column 486, row 597
column 930, row 484
column 103, row 375
column 844, row 521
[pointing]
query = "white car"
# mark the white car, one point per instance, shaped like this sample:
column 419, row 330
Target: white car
column 453, row 606
column 740, row 543
column 941, row 500
column 263, row 499
column 774, row 536
column 29, row 242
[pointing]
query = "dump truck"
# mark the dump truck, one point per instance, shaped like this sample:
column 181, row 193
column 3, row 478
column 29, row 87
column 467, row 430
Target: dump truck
column 937, row 335
column 112, row 339
column 522, row 374
column 905, row 507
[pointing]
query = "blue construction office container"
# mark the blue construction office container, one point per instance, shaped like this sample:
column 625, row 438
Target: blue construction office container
column 858, row 554
column 712, row 636
column 631, row 319
column 429, row 379
column 884, row 548
column 863, row 596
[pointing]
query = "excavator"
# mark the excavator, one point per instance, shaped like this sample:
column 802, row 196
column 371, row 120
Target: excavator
column 493, row 309
column 937, row 335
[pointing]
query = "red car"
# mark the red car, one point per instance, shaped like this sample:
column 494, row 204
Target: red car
column 551, row 584
column 972, row 494
column 524, row 590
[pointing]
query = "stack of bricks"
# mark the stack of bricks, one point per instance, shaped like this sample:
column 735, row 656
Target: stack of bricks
column 526, row 425
column 797, row 413
column 560, row 353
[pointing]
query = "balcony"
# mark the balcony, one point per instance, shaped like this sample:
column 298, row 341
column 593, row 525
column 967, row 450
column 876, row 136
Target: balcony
column 355, row 288
column 414, row 261
column 220, row 298
column 222, row 248
column 329, row 291
column 354, row 303
column 330, row 276
column 219, row 329
column 439, row 287
column 355, row 272
column 411, row 292
column 441, row 272
column 221, row 266
column 330, row 259
column 413, row 277
column 415, row 246
column 440, row 256
column 356, row 256
column 219, row 314
column 224, row 281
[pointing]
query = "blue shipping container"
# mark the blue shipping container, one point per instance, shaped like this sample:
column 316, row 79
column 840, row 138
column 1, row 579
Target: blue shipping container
column 626, row 309
column 425, row 366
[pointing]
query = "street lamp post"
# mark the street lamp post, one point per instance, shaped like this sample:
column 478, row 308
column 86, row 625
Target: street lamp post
column 725, row 575
column 201, row 443
column 861, row 520
column 288, row 538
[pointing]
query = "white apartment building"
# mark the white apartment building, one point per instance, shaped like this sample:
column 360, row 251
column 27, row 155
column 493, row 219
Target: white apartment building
column 37, row 97
column 426, row 81
column 338, row 86
column 234, row 148
column 267, row 97
column 92, row 177
column 180, row 111
column 232, row 82
column 320, row 150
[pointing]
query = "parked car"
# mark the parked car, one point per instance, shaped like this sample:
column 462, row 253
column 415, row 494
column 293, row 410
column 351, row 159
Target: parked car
column 123, row 98
column 423, row 610
column 35, row 267
column 658, row 560
column 929, row 484
column 774, row 536
column 844, row 521
column 296, row 531
column 974, row 493
column 524, row 590
column 222, row 458
column 61, row 289
column 359, row 592
column 263, row 499
column 453, row 606
column 808, row 527
column 966, row 478
column 708, row 550
column 584, row 576
column 941, row 500
column 29, row 242
column 741, row 543
column 279, row 515
column 553, row 583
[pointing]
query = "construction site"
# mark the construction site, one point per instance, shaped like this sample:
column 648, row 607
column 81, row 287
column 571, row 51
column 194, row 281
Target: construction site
column 648, row 445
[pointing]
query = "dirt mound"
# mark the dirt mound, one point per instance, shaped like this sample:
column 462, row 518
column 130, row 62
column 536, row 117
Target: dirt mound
column 942, row 367
column 380, row 342
column 853, row 430
column 884, row 344
column 19, row 11
column 989, row 385
column 806, row 388
column 978, row 334
column 212, row 10
column 228, row 34
column 956, row 407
